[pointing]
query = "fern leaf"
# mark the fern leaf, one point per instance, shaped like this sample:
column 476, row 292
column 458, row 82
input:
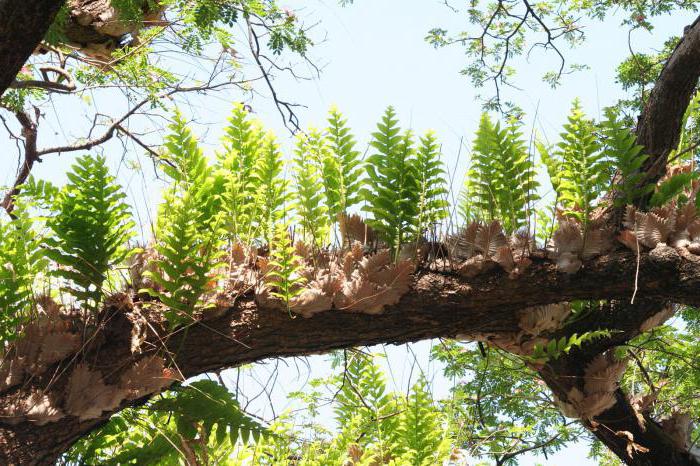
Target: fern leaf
column 342, row 167
column 309, row 155
column 392, row 192
column 91, row 229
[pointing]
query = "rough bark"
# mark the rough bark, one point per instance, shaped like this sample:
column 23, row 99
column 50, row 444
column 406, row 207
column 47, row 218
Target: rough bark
column 439, row 305
column 23, row 24
column 659, row 126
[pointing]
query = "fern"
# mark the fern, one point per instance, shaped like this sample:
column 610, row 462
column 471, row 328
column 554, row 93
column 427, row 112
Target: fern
column 502, row 176
column 285, row 266
column 392, row 192
column 556, row 347
column 213, row 407
column 271, row 195
column 91, row 228
column 243, row 143
column 673, row 188
column 341, row 167
column 203, row 416
column 627, row 156
column 363, row 398
column 432, row 203
column 583, row 171
column 21, row 261
column 190, row 227
column 419, row 430
column 309, row 154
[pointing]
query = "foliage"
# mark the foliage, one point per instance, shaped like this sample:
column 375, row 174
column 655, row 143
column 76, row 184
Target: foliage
column 284, row 266
column 190, row 227
column 557, row 347
column 432, row 200
column 202, row 419
column 22, row 260
column 391, row 191
column 582, row 170
column 310, row 153
column 91, row 226
column 501, row 181
column 242, row 148
column 341, row 166
column 271, row 196
column 627, row 156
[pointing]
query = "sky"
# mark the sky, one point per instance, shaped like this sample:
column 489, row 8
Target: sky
column 374, row 55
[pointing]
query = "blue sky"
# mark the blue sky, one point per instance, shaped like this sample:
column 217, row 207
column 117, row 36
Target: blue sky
column 374, row 55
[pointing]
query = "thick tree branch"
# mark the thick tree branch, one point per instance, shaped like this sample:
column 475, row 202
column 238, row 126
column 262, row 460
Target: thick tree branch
column 439, row 305
column 23, row 24
column 659, row 126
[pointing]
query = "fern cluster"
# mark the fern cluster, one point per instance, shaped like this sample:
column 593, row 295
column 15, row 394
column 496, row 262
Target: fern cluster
column 501, row 182
column 190, row 227
column 310, row 154
column 21, row 261
column 581, row 170
column 91, row 227
column 404, row 188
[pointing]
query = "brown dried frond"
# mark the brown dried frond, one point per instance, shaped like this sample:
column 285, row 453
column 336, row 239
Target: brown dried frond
column 41, row 408
column 540, row 319
column 568, row 238
column 87, row 396
column 463, row 245
column 140, row 263
column 375, row 285
column 352, row 258
column 568, row 262
column 504, row 258
column 312, row 300
column 657, row 319
column 475, row 266
column 37, row 407
column 586, row 406
column 145, row 377
column 628, row 221
column 685, row 215
column 353, row 228
column 652, row 229
column 489, row 238
column 603, row 373
column 677, row 426
column 597, row 242
column 629, row 239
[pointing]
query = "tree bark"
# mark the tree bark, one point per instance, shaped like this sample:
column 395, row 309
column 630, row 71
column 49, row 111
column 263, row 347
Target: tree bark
column 23, row 24
column 439, row 305
column 660, row 124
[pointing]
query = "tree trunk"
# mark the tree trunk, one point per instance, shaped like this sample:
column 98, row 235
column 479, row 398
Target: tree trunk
column 23, row 24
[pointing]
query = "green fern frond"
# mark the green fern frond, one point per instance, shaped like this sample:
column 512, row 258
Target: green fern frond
column 285, row 266
column 584, row 172
column 502, row 178
column 621, row 148
column 392, row 192
column 242, row 144
column 672, row 188
column 342, row 168
column 211, row 407
column 271, row 196
column 91, row 228
column 432, row 204
column 310, row 152
column 556, row 347
column 21, row 261
column 419, row 430
column 190, row 230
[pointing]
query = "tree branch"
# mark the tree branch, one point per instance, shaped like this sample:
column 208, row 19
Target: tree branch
column 439, row 305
